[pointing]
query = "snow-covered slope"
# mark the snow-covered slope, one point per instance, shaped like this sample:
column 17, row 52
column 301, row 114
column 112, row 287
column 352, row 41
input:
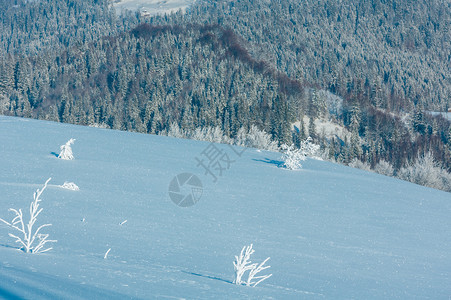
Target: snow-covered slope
column 151, row 7
column 331, row 231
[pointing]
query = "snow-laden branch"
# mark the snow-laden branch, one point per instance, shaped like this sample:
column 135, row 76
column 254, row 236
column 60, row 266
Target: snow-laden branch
column 31, row 241
column 253, row 280
column 242, row 264
column 106, row 254
column 66, row 150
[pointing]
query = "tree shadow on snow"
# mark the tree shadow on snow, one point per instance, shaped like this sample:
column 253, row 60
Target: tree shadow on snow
column 277, row 163
column 208, row 276
column 8, row 246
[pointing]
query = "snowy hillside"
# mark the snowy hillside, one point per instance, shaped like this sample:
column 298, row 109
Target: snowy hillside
column 331, row 231
column 151, row 7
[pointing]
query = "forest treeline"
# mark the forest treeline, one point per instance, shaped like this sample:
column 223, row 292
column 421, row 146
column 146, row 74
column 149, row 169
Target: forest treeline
column 241, row 64
column 399, row 49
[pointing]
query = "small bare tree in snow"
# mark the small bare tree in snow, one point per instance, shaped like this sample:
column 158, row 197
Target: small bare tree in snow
column 66, row 150
column 242, row 264
column 32, row 241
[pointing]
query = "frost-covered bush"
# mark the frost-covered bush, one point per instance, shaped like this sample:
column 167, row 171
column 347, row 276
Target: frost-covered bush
column 66, row 150
column 175, row 131
column 292, row 156
column 309, row 149
column 32, row 241
column 358, row 164
column 98, row 125
column 70, row 186
column 384, row 168
column 425, row 171
column 242, row 264
column 255, row 138
column 446, row 180
column 4, row 103
column 210, row 134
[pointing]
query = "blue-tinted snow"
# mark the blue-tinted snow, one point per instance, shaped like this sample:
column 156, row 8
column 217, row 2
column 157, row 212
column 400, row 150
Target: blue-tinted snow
column 331, row 231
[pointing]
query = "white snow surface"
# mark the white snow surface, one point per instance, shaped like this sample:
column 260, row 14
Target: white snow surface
column 152, row 7
column 332, row 232
column 446, row 115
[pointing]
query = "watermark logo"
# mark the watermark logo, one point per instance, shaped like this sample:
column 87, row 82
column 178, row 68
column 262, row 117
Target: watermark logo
column 185, row 189
column 215, row 161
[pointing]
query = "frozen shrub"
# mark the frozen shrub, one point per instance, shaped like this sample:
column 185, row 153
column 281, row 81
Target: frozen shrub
column 384, row 168
column 98, row 125
column 425, row 171
column 446, row 180
column 32, row 241
column 66, row 150
column 292, row 157
column 255, row 138
column 309, row 149
column 70, row 186
column 176, row 131
column 242, row 264
column 210, row 134
column 358, row 164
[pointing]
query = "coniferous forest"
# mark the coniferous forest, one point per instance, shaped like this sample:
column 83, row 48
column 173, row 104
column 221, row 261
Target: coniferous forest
column 375, row 68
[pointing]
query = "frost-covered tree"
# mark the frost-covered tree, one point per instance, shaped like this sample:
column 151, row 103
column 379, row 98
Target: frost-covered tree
column 427, row 172
column 292, row 156
column 210, row 134
column 176, row 131
column 32, row 241
column 309, row 149
column 66, row 150
column 358, row 164
column 255, row 138
column 384, row 168
column 242, row 264
column 312, row 128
